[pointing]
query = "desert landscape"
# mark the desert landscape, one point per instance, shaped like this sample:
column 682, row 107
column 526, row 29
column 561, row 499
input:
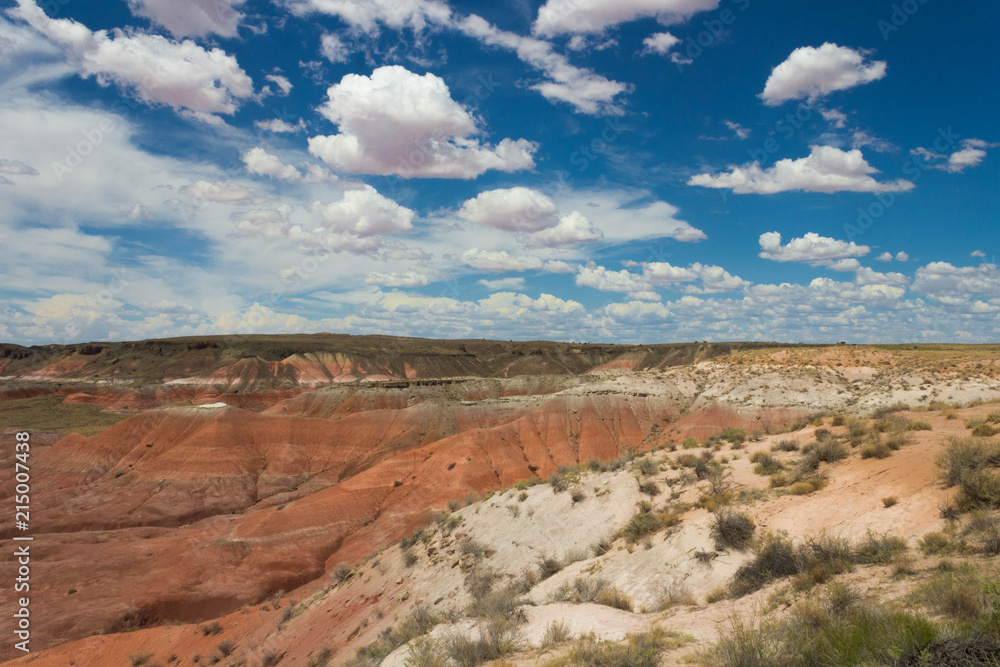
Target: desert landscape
column 369, row 500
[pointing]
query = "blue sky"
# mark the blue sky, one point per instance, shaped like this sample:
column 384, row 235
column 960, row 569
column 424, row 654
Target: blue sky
column 592, row 170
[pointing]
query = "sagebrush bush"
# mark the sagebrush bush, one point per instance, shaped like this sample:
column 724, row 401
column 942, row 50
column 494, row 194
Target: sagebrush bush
column 494, row 639
column 732, row 530
column 826, row 451
column 984, row 431
column 786, row 446
column 638, row 650
column 876, row 450
column 646, row 466
column 862, row 635
column 766, row 465
column 959, row 594
column 647, row 523
column 558, row 482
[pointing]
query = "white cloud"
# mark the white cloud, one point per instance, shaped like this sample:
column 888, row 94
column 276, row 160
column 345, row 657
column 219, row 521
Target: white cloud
column 406, row 279
column 826, row 169
column 885, row 257
column 571, row 230
column 368, row 15
column 660, row 43
column 977, row 253
column 182, row 75
column 191, row 18
column 557, row 17
column 902, row 257
column 861, row 139
column 583, row 89
column 814, row 73
column 846, row 264
column 971, row 154
column 511, row 305
column 499, row 261
column 398, row 122
column 956, row 284
column 365, row 212
column 740, row 131
column 503, row 284
column 259, row 161
column 625, row 214
column 812, row 248
column 333, row 48
column 558, row 266
column 283, row 84
column 516, row 209
column 836, row 118
column 714, row 279
column 866, row 276
column 222, row 192
column 278, row 125
column 606, row 280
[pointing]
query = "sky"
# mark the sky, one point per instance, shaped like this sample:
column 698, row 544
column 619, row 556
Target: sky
column 634, row 171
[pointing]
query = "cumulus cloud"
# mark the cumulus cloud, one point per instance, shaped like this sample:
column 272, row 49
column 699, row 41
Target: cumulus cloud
column 369, row 15
column 365, row 212
column 499, row 261
column 714, row 279
column 557, row 17
column 885, row 257
column 513, row 306
column 660, row 43
column 259, row 161
column 191, row 18
column 812, row 248
column 625, row 214
column 571, row 230
column 814, row 73
column 516, row 209
column 977, row 253
column 866, row 276
column 412, row 278
column 398, row 122
column 157, row 70
column 954, row 285
column 605, row 280
column 826, row 169
column 586, row 91
column 902, row 257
